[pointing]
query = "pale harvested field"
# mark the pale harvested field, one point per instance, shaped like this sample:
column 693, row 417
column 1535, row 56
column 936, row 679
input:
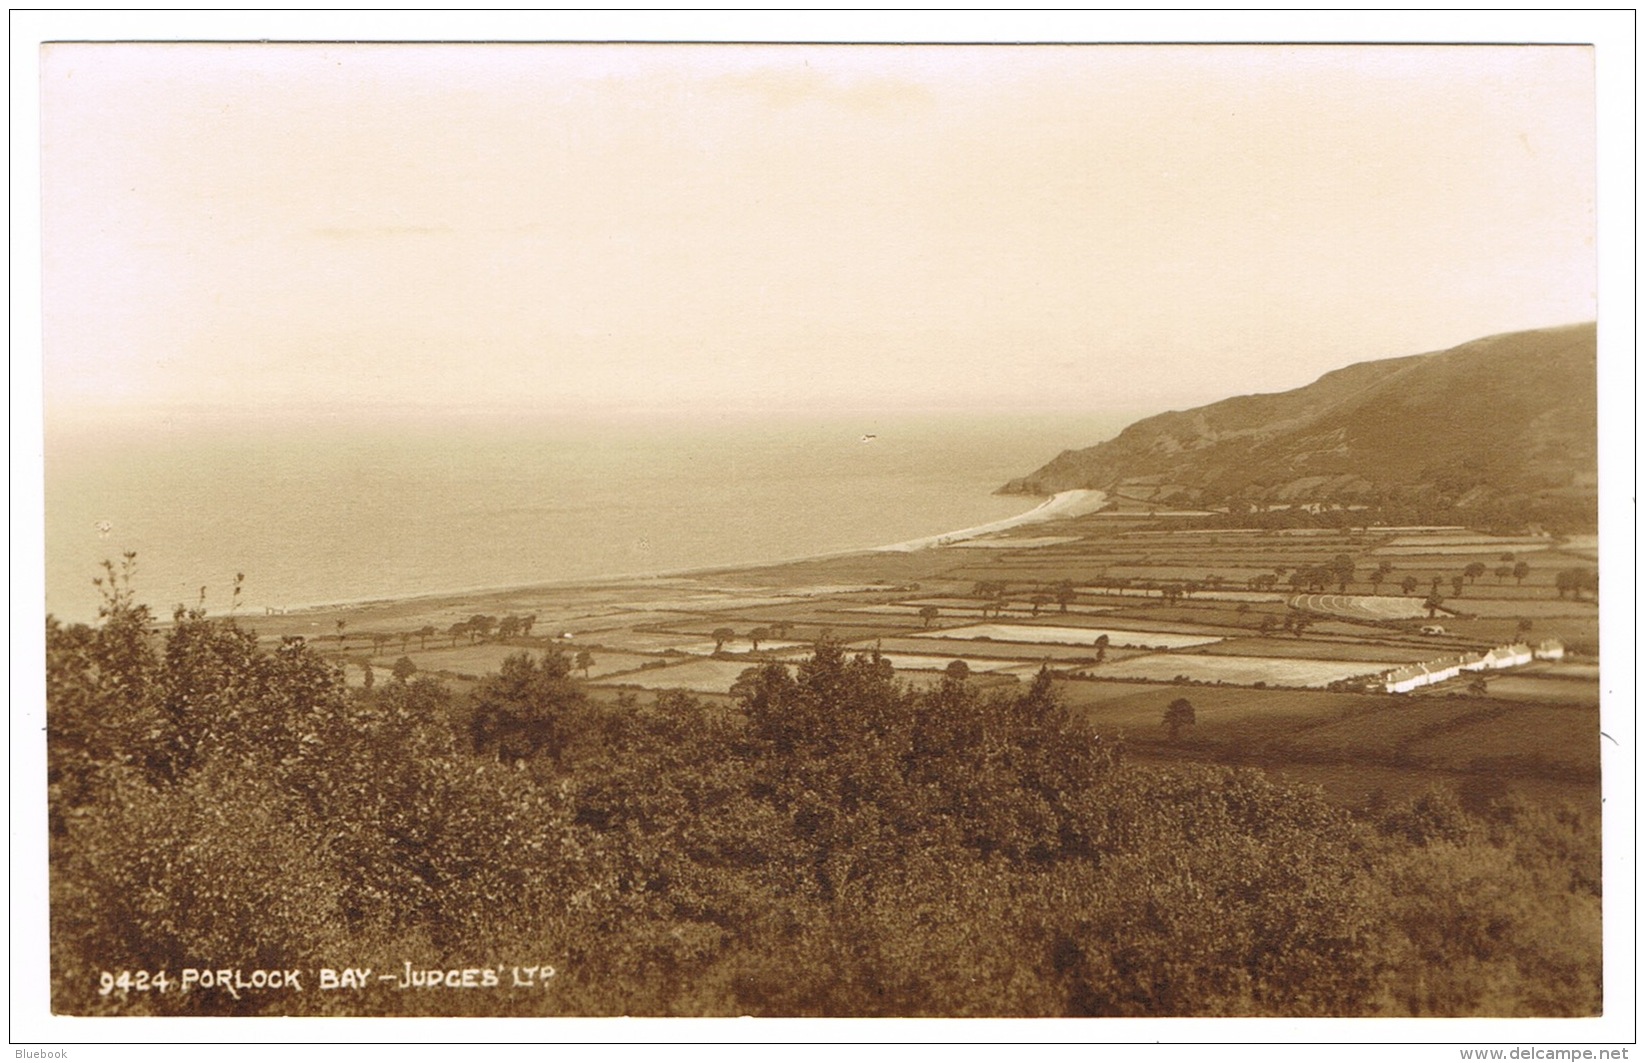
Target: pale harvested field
column 1015, row 650
column 1244, row 671
column 1361, row 606
column 708, row 676
column 1306, row 649
column 1076, row 636
column 912, row 612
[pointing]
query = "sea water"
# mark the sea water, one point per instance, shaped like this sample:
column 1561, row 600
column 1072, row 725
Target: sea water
column 335, row 509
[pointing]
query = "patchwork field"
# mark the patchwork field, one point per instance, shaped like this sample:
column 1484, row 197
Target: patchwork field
column 1307, row 649
column 1361, row 606
column 1074, row 636
column 1206, row 668
column 1259, row 696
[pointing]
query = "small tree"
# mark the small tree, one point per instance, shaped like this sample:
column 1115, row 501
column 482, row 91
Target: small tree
column 1408, row 584
column 1576, row 580
column 423, row 634
column 585, row 661
column 1521, row 570
column 1456, row 586
column 721, row 636
column 1065, row 594
column 758, row 635
column 1342, row 570
column 1432, row 604
column 1502, row 573
column 1178, row 715
column 958, row 671
column 928, row 613
column 1102, row 647
column 1474, row 570
column 404, row 669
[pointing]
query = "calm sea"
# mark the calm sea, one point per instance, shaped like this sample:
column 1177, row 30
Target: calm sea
column 331, row 511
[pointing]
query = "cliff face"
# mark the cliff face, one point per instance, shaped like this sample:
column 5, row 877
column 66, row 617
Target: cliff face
column 1502, row 418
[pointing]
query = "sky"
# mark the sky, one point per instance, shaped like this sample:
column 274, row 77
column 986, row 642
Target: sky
column 670, row 228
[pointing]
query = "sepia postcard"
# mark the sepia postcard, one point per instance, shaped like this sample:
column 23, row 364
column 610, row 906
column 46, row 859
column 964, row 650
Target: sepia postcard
column 1072, row 525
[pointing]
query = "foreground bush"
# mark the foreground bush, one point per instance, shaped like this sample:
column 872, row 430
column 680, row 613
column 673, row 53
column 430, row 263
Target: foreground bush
column 835, row 845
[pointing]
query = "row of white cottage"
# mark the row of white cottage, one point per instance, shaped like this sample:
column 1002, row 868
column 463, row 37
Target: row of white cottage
column 1408, row 678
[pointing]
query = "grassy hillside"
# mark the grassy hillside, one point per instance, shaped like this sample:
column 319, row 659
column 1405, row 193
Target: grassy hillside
column 1506, row 421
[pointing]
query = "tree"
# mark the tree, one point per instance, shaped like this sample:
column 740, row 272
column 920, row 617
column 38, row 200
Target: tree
column 530, row 706
column 1266, row 627
column 1576, row 580
column 1040, row 600
column 457, row 631
column 370, row 679
column 1503, row 572
column 341, row 625
column 1178, row 715
column 1521, row 570
column 378, row 641
column 1476, row 686
column 1432, row 604
column 758, row 635
column 423, row 634
column 958, row 671
column 1474, row 570
column 508, row 627
column 1376, row 580
column 1408, row 584
column 1102, row 646
column 1065, row 595
column 1342, row 570
column 928, row 613
column 1456, row 585
column 585, row 661
column 480, row 626
column 404, row 669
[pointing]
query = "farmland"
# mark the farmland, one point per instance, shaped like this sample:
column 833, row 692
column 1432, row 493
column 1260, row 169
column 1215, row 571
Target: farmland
column 1271, row 635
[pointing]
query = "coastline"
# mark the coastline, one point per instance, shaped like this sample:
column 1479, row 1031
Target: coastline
column 1063, row 504
column 1075, row 503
